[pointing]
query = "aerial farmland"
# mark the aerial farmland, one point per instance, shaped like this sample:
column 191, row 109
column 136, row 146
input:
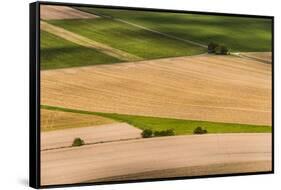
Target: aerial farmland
column 130, row 94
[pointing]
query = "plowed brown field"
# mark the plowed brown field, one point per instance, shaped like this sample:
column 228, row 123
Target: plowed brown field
column 158, row 157
column 212, row 88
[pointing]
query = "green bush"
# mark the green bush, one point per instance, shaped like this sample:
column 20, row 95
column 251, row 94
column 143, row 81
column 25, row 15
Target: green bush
column 224, row 50
column 221, row 50
column 78, row 142
column 212, row 46
column 168, row 132
column 200, row 131
column 146, row 133
column 218, row 49
column 157, row 133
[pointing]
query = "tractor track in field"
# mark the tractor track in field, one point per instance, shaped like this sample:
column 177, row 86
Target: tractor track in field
column 161, row 33
column 151, row 30
column 86, row 42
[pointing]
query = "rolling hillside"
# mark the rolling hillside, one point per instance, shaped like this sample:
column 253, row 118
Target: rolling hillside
column 238, row 33
column 209, row 88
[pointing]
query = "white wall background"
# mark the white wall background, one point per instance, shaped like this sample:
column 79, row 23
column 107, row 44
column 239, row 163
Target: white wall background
column 14, row 52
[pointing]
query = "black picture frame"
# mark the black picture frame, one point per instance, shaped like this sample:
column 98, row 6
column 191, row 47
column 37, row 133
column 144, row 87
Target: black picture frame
column 34, row 94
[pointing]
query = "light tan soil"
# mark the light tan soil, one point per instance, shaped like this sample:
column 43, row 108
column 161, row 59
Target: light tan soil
column 208, row 152
column 227, row 168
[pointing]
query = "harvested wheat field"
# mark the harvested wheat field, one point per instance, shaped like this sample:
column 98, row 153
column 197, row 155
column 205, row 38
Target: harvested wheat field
column 53, row 12
column 53, row 120
column 90, row 135
column 210, row 88
column 213, row 154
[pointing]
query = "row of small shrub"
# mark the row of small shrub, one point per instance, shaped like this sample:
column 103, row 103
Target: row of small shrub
column 168, row 132
column 147, row 133
column 217, row 49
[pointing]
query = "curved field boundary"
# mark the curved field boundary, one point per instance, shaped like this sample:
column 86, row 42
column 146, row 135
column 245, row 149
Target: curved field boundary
column 83, row 41
column 212, row 169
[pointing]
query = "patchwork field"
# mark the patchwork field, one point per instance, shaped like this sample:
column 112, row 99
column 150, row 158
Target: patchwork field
column 197, row 154
column 132, row 36
column 106, row 75
column 209, row 88
column 238, row 33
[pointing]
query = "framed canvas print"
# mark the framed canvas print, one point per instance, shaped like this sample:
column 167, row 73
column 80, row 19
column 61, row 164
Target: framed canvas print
column 120, row 94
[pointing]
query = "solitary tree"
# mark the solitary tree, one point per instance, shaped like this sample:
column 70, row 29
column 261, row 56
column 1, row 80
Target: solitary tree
column 78, row 142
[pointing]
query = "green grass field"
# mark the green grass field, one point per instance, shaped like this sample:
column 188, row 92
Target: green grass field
column 136, row 41
column 59, row 53
column 181, row 127
column 238, row 33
